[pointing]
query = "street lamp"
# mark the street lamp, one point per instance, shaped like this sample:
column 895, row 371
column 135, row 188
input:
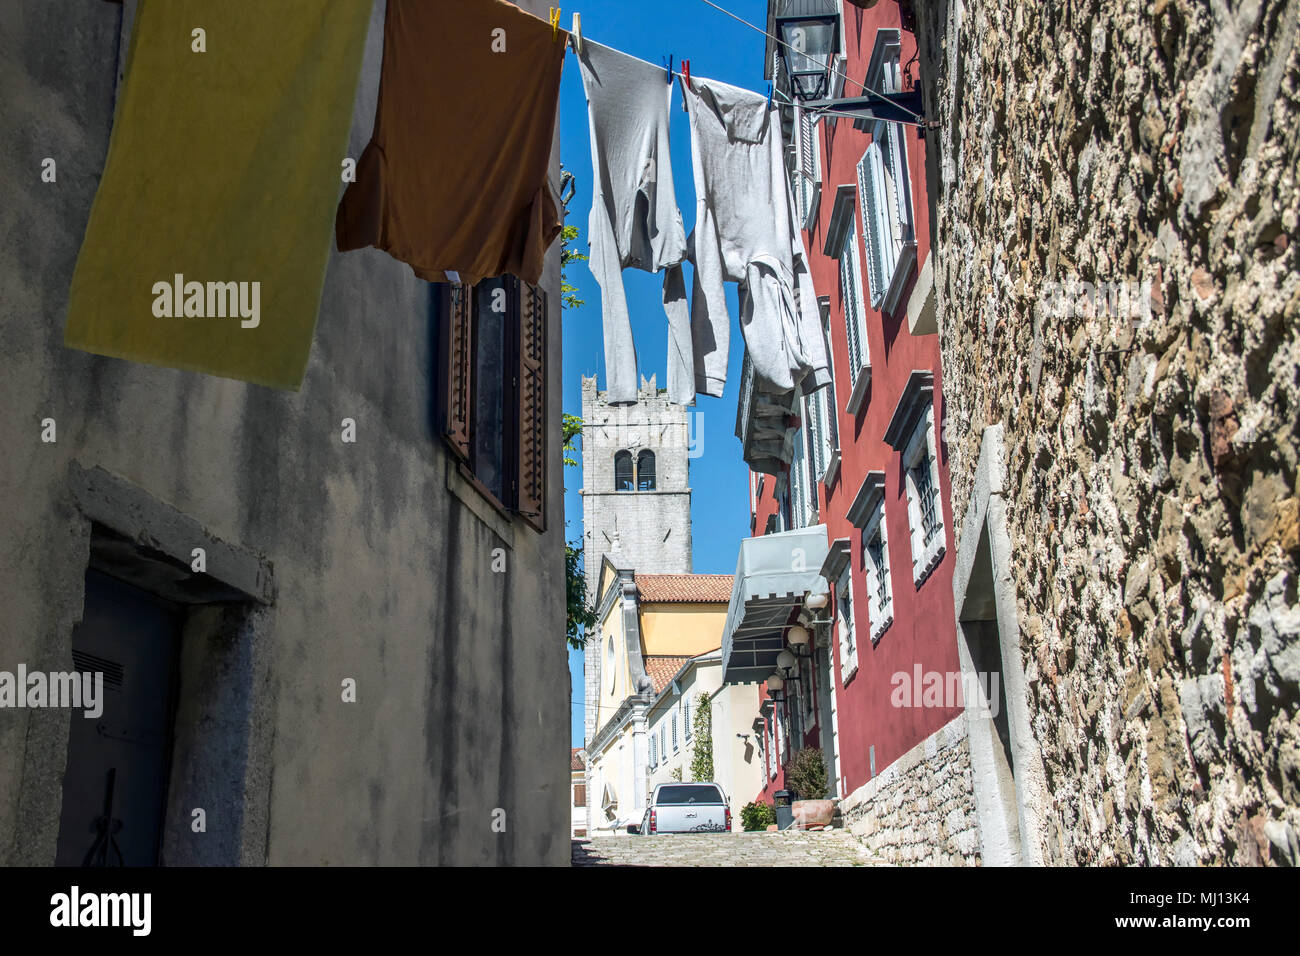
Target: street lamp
column 809, row 35
column 808, row 40
column 774, row 685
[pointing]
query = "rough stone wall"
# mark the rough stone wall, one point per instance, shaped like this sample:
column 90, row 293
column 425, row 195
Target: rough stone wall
column 920, row 810
column 382, row 573
column 1152, row 499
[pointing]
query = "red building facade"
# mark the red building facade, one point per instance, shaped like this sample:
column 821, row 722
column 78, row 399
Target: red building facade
column 867, row 456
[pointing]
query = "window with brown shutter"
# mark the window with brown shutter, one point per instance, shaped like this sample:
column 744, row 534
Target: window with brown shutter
column 458, row 378
column 531, row 498
column 493, row 395
column 580, row 795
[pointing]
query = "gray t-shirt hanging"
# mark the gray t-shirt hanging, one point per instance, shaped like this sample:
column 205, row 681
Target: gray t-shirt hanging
column 745, row 233
column 635, row 222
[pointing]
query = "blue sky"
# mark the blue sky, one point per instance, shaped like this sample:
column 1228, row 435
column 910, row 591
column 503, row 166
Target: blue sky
column 720, row 48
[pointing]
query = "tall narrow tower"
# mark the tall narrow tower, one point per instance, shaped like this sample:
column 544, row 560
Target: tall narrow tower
column 636, row 495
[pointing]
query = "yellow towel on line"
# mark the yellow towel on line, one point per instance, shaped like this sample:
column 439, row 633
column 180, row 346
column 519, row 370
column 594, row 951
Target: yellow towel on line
column 210, row 232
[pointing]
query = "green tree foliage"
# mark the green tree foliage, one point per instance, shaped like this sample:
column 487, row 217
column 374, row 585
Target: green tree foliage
column 568, row 236
column 580, row 613
column 702, row 722
column 568, row 291
column 757, row 816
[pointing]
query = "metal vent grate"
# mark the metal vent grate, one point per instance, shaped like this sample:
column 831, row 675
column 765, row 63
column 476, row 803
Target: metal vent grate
column 113, row 671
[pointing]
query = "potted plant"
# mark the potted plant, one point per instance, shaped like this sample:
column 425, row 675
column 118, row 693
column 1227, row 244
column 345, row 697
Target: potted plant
column 805, row 774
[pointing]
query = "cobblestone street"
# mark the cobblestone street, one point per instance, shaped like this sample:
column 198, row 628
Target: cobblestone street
column 821, row 848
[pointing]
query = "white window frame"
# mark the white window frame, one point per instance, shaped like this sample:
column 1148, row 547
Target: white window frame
column 885, row 189
column 880, row 615
column 773, row 755
column 806, row 166
column 654, row 752
column 801, row 484
column 829, row 399
column 675, row 747
column 920, row 452
column 816, row 412
column 845, row 623
column 855, row 311
column 686, row 716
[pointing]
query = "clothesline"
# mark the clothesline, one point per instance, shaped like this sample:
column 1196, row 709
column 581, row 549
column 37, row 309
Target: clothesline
column 776, row 94
column 843, row 76
column 576, row 37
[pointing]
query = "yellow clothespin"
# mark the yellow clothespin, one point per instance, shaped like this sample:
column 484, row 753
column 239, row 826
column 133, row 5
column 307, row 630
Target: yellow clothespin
column 555, row 21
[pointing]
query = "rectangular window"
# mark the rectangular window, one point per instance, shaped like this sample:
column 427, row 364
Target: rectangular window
column 806, row 167
column 854, row 313
column 686, row 716
column 799, row 483
column 884, row 185
column 924, row 505
column 925, row 496
column 674, row 732
column 819, row 414
column 830, row 410
column 871, row 192
column 876, row 562
column 493, row 395
column 654, row 754
column 844, row 614
column 580, row 795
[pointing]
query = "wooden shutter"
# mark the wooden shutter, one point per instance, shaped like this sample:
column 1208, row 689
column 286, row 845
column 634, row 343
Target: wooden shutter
column 871, row 194
column 458, row 366
column 531, row 389
column 852, row 292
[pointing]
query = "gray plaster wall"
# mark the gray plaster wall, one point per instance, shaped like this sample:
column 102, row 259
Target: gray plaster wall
column 382, row 561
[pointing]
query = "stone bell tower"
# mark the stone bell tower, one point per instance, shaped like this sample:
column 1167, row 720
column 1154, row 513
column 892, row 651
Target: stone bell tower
column 636, row 494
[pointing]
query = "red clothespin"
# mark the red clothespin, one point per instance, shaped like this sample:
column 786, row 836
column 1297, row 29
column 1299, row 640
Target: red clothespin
column 686, row 79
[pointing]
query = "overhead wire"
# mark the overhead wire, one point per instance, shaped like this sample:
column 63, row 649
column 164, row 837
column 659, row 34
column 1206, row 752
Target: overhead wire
column 829, row 66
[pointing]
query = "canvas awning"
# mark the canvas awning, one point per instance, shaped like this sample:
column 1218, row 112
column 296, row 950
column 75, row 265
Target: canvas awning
column 774, row 574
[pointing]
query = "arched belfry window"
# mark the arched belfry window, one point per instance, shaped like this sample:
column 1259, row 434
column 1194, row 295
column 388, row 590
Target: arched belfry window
column 623, row 471
column 645, row 471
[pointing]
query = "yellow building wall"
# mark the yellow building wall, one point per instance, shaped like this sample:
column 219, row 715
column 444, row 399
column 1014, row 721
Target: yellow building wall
column 611, row 629
column 687, row 629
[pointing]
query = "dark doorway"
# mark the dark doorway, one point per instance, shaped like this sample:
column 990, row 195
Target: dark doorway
column 993, row 764
column 115, row 784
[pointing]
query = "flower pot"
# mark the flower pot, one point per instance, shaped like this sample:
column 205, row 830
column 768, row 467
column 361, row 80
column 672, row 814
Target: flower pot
column 813, row 813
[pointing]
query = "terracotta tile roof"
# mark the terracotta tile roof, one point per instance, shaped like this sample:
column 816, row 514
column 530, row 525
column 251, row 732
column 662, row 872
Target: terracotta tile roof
column 661, row 668
column 575, row 759
column 684, row 588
